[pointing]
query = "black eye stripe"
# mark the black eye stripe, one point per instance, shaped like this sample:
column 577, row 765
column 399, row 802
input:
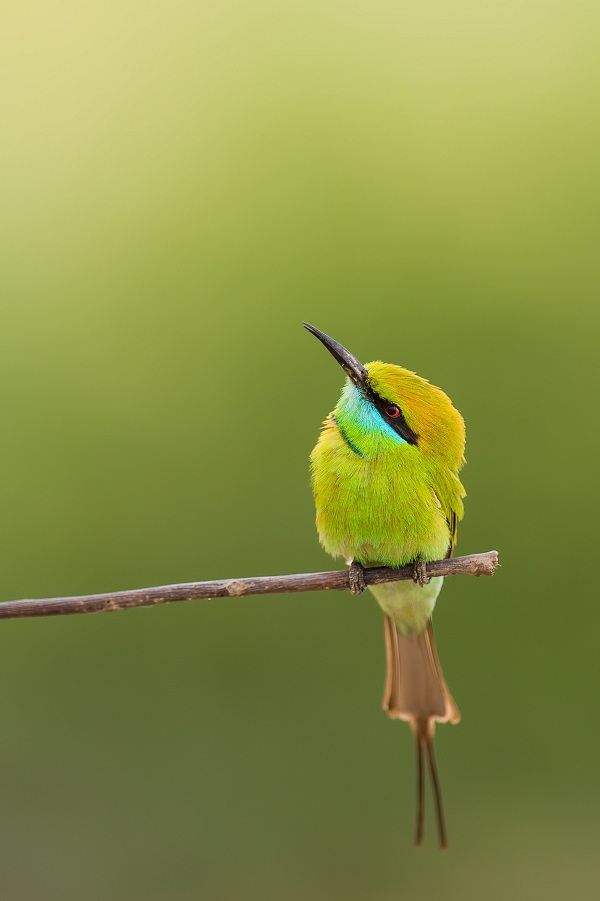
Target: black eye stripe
column 397, row 423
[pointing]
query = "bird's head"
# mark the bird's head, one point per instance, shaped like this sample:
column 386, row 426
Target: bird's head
column 385, row 408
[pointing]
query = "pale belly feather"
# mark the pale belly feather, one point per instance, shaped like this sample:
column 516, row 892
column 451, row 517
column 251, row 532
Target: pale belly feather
column 409, row 605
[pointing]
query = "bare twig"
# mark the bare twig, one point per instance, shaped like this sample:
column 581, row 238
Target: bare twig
column 474, row 565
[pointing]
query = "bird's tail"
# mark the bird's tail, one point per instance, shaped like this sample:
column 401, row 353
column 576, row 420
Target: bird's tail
column 416, row 691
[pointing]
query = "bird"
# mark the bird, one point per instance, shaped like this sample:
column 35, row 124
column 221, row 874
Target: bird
column 385, row 479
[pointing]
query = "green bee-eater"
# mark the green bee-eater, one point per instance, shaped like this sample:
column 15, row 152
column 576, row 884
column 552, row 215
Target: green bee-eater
column 387, row 493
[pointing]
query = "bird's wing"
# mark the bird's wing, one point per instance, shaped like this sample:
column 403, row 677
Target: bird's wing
column 450, row 492
column 452, row 520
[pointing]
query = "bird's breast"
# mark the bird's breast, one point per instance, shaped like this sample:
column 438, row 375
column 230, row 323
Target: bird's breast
column 379, row 509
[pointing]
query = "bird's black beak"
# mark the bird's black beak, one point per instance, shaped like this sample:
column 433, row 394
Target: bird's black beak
column 351, row 366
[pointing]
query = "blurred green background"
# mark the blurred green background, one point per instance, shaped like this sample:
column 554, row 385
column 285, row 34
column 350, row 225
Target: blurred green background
column 183, row 183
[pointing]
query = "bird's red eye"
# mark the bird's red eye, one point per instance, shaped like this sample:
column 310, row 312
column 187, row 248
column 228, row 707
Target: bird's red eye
column 392, row 410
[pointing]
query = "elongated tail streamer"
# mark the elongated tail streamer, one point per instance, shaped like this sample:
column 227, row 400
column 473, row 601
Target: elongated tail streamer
column 416, row 692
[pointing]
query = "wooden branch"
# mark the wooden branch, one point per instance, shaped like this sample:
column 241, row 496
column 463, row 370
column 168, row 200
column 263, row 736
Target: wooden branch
column 473, row 565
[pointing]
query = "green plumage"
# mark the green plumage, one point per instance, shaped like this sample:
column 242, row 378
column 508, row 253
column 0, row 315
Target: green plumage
column 381, row 500
column 386, row 487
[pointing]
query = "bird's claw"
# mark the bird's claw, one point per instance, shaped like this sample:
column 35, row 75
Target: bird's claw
column 420, row 573
column 356, row 578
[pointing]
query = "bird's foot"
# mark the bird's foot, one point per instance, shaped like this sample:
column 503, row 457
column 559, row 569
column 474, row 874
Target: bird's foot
column 420, row 574
column 356, row 578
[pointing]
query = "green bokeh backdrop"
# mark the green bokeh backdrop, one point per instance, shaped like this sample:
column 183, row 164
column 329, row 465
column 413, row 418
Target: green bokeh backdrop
column 183, row 183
